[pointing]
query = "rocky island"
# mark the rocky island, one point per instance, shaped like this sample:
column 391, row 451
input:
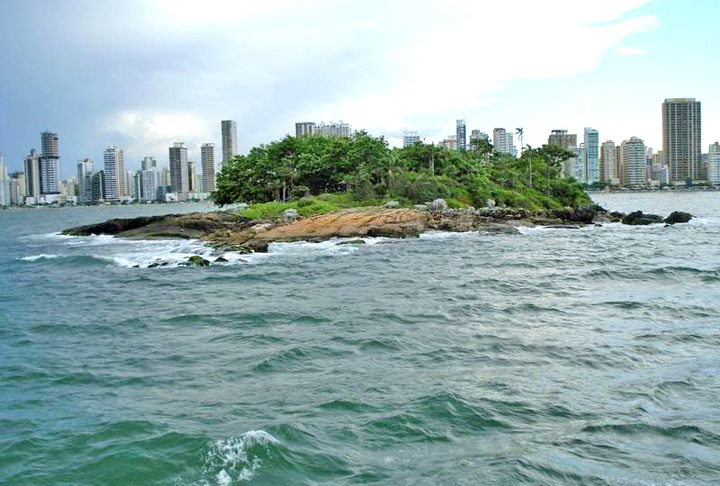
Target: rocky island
column 316, row 188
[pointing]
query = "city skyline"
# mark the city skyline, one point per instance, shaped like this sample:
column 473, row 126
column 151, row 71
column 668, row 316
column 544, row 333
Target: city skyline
column 404, row 75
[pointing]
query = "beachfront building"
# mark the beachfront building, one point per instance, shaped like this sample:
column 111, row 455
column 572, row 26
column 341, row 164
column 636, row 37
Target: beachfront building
column 50, row 164
column 114, row 175
column 461, row 135
column 207, row 160
column 304, row 129
column 84, row 192
column 503, row 141
column 632, row 160
column 228, row 130
column 179, row 178
column 32, row 175
column 609, row 163
column 410, row 138
column 681, row 122
column 713, row 164
column 591, row 156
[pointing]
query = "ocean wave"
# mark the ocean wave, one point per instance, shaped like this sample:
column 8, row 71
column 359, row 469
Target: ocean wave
column 74, row 259
column 238, row 459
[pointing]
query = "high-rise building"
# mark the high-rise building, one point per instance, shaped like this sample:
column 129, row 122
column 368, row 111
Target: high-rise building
column 561, row 138
column 49, row 164
column 450, row 142
column 149, row 185
column 4, row 184
column 229, row 140
column 179, row 178
column 32, row 174
column 608, row 163
column 334, row 129
column 304, row 129
column 503, row 141
column 193, row 180
column 713, row 167
column 410, row 138
column 592, row 156
column 207, row 159
column 681, row 139
column 84, row 168
column 114, row 163
column 461, row 135
column 632, row 160
column 148, row 163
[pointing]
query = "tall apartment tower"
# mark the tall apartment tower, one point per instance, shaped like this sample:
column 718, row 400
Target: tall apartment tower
column 32, row 174
column 592, row 155
column 562, row 138
column 207, row 159
column 632, row 160
column 503, row 141
column 148, row 163
column 229, row 140
column 681, row 139
column 114, row 175
column 461, row 135
column 179, row 178
column 713, row 167
column 49, row 164
column 303, row 129
column 85, row 167
column 608, row 163
column 410, row 138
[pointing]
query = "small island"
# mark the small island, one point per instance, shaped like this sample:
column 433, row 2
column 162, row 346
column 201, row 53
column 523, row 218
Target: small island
column 315, row 188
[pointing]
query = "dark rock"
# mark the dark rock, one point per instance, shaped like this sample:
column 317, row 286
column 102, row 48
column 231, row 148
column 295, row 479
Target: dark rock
column 638, row 218
column 257, row 245
column 499, row 229
column 351, row 242
column 221, row 260
column 198, row 261
column 678, row 217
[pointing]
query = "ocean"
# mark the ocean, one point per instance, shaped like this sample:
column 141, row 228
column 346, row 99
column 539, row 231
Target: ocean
column 554, row 356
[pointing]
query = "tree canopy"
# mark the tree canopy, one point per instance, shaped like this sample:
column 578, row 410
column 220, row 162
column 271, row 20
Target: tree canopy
column 367, row 169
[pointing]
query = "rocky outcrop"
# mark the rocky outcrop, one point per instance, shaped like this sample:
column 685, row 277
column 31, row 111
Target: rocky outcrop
column 678, row 217
column 193, row 225
column 638, row 218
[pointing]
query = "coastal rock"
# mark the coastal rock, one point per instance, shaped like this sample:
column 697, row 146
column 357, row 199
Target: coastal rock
column 198, row 261
column 351, row 242
column 421, row 207
column 290, row 215
column 638, row 218
column 678, row 217
column 392, row 204
column 439, row 206
column 499, row 228
column 193, row 225
column 221, row 260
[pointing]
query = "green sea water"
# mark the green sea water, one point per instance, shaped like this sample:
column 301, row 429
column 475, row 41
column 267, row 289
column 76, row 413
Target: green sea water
column 587, row 356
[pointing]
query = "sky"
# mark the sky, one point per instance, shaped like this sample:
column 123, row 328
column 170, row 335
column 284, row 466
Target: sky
column 142, row 75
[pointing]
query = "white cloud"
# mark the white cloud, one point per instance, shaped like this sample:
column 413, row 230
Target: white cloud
column 629, row 51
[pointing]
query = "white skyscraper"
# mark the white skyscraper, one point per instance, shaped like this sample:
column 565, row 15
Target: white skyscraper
column 461, row 135
column 713, row 168
column 114, row 161
column 592, row 156
column 85, row 167
column 4, row 184
column 503, row 141
column 632, row 160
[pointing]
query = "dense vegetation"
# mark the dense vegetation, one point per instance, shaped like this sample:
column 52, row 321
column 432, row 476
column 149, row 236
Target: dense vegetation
column 362, row 170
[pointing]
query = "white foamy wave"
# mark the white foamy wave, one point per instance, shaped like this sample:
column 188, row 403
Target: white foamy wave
column 36, row 258
column 235, row 459
column 444, row 235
